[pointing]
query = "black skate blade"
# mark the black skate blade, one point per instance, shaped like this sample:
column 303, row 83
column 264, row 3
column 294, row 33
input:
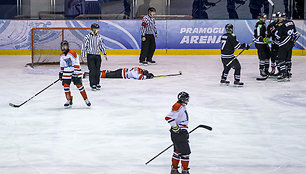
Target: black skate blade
column 67, row 107
column 262, row 78
column 224, row 84
column 283, row 80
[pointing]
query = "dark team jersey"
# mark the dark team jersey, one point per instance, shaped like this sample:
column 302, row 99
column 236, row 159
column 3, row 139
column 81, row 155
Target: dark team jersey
column 285, row 33
column 260, row 32
column 271, row 29
column 228, row 45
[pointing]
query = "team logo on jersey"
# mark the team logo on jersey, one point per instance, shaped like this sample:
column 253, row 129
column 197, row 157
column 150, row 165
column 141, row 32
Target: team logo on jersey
column 68, row 62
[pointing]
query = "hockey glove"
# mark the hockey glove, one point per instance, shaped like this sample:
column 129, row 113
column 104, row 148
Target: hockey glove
column 60, row 76
column 150, row 76
column 176, row 129
column 267, row 40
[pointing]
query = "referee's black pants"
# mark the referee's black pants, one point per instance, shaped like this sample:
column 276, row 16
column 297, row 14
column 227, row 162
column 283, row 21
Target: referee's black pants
column 94, row 64
column 147, row 48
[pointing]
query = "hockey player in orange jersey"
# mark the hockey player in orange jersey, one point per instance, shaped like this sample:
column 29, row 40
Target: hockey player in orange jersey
column 178, row 120
column 71, row 71
column 128, row 73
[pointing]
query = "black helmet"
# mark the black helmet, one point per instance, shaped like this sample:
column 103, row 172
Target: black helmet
column 94, row 26
column 262, row 15
column 64, row 42
column 283, row 15
column 151, row 9
column 183, row 97
column 229, row 27
column 145, row 72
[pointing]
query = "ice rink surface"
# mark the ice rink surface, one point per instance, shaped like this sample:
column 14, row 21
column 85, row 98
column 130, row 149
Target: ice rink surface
column 257, row 129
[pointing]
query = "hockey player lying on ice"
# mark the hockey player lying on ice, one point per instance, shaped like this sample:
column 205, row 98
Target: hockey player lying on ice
column 128, row 73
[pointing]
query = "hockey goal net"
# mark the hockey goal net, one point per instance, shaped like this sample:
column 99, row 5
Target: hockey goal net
column 46, row 43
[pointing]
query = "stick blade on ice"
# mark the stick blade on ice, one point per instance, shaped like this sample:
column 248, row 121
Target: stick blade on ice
column 206, row 127
column 15, row 106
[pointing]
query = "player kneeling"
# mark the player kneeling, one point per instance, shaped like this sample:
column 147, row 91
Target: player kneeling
column 71, row 71
column 128, row 73
column 178, row 119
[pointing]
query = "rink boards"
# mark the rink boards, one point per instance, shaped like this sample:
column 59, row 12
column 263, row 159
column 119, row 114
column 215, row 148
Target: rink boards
column 122, row 37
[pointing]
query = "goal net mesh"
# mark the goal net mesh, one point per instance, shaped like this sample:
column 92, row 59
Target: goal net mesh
column 46, row 43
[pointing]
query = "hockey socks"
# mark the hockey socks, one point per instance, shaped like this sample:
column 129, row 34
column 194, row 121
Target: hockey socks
column 175, row 160
column 185, row 161
column 67, row 91
column 82, row 91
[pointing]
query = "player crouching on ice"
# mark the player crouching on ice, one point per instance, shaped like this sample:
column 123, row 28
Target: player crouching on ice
column 178, row 119
column 71, row 71
column 128, row 73
column 229, row 44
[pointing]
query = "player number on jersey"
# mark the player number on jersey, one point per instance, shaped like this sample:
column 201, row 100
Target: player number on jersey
column 290, row 32
column 187, row 117
column 223, row 44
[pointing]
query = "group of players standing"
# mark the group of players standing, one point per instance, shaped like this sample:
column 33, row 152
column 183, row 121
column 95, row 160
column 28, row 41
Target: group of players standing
column 281, row 34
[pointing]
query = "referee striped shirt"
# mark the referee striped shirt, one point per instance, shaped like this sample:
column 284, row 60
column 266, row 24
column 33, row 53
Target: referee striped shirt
column 93, row 44
column 148, row 25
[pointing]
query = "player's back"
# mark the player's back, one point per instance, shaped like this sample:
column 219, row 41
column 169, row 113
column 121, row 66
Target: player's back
column 228, row 45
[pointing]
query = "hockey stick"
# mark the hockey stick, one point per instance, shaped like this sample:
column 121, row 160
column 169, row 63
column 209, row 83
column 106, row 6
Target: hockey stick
column 215, row 4
column 200, row 126
column 265, row 78
column 17, row 106
column 241, row 4
column 180, row 73
column 272, row 4
column 238, row 54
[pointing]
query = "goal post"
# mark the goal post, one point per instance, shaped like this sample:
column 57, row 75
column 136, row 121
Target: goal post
column 45, row 43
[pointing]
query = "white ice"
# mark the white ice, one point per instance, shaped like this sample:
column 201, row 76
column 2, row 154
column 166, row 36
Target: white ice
column 257, row 129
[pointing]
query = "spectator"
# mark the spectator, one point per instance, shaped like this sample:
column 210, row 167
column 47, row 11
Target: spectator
column 92, row 7
column 199, row 8
column 231, row 9
column 127, row 9
column 256, row 5
column 73, row 8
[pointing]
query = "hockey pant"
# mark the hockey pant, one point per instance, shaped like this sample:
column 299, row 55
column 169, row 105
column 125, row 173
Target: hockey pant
column 235, row 64
column 274, row 56
column 147, row 48
column 264, row 56
column 181, row 148
column 112, row 74
column 284, row 57
column 77, row 81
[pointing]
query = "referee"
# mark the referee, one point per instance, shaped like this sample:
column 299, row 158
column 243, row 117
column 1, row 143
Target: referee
column 92, row 45
column 148, row 34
